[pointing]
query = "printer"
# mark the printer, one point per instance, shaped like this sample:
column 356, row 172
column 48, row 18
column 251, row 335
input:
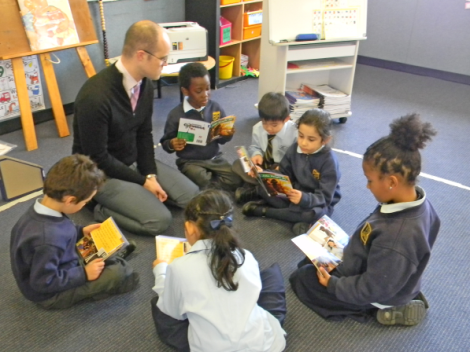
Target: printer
column 188, row 41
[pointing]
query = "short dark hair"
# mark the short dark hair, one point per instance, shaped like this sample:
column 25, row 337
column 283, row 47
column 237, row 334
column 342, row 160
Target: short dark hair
column 398, row 153
column 75, row 175
column 318, row 118
column 190, row 71
column 273, row 107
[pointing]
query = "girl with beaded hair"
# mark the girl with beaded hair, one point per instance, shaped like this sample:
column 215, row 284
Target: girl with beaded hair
column 386, row 256
column 214, row 298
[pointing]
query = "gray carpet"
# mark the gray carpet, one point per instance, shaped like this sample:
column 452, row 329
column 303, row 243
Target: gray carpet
column 123, row 323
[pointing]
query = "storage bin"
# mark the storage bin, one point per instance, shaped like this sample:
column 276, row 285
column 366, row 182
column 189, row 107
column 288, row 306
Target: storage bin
column 252, row 18
column 225, row 31
column 226, row 66
column 251, row 31
column 228, row 2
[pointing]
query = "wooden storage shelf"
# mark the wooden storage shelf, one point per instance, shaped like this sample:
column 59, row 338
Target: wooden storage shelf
column 207, row 13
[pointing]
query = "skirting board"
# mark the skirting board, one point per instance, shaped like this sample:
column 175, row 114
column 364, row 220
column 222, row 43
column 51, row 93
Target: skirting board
column 416, row 70
column 14, row 124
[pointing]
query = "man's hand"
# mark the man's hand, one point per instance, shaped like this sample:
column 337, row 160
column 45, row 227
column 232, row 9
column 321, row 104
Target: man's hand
column 94, row 268
column 177, row 144
column 87, row 229
column 257, row 159
column 323, row 276
column 154, row 187
column 294, row 196
column 157, row 261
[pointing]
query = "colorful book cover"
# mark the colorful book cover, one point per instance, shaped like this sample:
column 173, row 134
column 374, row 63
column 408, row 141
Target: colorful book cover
column 48, row 23
column 276, row 184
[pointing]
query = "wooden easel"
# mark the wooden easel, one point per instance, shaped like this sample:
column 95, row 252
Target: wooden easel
column 14, row 45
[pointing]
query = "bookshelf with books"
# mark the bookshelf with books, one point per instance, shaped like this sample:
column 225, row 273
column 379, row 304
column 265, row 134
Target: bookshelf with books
column 244, row 39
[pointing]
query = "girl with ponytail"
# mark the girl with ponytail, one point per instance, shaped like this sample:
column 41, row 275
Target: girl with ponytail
column 214, row 298
column 386, row 256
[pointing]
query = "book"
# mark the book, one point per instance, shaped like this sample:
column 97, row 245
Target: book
column 202, row 132
column 48, row 23
column 323, row 244
column 169, row 248
column 103, row 242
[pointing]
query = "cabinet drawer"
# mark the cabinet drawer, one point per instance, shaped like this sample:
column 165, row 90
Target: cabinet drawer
column 309, row 52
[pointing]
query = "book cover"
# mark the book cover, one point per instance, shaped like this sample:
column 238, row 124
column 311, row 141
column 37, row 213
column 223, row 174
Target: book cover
column 275, row 184
column 245, row 159
column 323, row 244
column 48, row 23
column 222, row 127
column 103, row 241
column 169, row 248
column 200, row 132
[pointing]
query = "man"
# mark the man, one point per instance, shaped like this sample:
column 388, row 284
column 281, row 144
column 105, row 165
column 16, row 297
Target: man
column 113, row 125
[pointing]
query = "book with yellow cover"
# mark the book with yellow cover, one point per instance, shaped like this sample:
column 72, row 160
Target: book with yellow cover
column 169, row 248
column 103, row 242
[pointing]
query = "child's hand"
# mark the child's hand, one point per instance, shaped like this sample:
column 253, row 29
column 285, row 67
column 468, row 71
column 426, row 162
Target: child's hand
column 252, row 173
column 94, row 268
column 87, row 229
column 157, row 261
column 177, row 144
column 257, row 159
column 294, row 196
column 323, row 276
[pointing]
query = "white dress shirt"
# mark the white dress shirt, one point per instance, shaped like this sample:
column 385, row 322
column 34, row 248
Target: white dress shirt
column 219, row 320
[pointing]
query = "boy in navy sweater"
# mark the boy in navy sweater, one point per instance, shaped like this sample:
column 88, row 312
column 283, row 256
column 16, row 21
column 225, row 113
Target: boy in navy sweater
column 44, row 259
column 201, row 164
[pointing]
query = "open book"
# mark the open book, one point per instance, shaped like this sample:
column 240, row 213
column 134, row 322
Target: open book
column 275, row 184
column 169, row 248
column 323, row 243
column 103, row 242
column 201, row 132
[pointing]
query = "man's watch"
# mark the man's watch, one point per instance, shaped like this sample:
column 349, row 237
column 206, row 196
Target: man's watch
column 151, row 175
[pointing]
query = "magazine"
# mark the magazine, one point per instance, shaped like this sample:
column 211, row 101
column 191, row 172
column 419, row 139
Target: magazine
column 273, row 183
column 323, row 244
column 202, row 132
column 169, row 248
column 103, row 242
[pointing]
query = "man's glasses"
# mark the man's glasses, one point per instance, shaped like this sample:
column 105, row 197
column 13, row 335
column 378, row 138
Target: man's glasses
column 163, row 59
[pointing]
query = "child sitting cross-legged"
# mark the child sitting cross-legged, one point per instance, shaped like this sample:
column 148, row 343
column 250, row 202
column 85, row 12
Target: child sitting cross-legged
column 215, row 298
column 44, row 258
column 383, row 263
column 201, row 164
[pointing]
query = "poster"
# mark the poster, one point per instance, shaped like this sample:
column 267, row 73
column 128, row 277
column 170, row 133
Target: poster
column 9, row 105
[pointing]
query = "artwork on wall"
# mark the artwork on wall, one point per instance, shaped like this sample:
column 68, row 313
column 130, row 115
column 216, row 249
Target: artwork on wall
column 48, row 23
column 9, row 105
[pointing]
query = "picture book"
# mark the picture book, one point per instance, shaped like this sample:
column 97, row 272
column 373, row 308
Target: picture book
column 169, row 248
column 48, row 23
column 103, row 242
column 323, row 244
column 201, row 132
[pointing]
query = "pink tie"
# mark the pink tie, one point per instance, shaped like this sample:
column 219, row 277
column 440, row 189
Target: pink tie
column 135, row 96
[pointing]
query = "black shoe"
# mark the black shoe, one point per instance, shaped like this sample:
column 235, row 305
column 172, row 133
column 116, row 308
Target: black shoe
column 245, row 194
column 124, row 253
column 412, row 313
column 250, row 208
column 300, row 228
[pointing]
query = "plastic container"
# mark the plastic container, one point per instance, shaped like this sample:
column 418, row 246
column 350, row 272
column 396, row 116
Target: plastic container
column 225, row 31
column 251, row 31
column 244, row 59
column 225, row 66
column 228, row 2
column 252, row 18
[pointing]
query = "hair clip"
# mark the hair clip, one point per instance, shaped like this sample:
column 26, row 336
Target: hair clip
column 216, row 224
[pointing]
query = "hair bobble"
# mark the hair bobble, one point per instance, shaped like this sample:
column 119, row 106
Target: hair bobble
column 216, row 224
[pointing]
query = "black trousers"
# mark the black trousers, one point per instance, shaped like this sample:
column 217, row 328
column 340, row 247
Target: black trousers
column 272, row 298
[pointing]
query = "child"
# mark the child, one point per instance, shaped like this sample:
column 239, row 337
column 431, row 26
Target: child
column 217, row 288
column 314, row 172
column 271, row 138
column 386, row 256
column 44, row 260
column 201, row 164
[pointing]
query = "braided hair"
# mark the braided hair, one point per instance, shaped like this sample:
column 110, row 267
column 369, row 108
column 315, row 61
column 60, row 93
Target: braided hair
column 211, row 211
column 398, row 153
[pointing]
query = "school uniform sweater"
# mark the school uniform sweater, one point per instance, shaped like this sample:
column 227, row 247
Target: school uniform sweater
column 317, row 175
column 43, row 257
column 211, row 112
column 387, row 254
column 106, row 129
